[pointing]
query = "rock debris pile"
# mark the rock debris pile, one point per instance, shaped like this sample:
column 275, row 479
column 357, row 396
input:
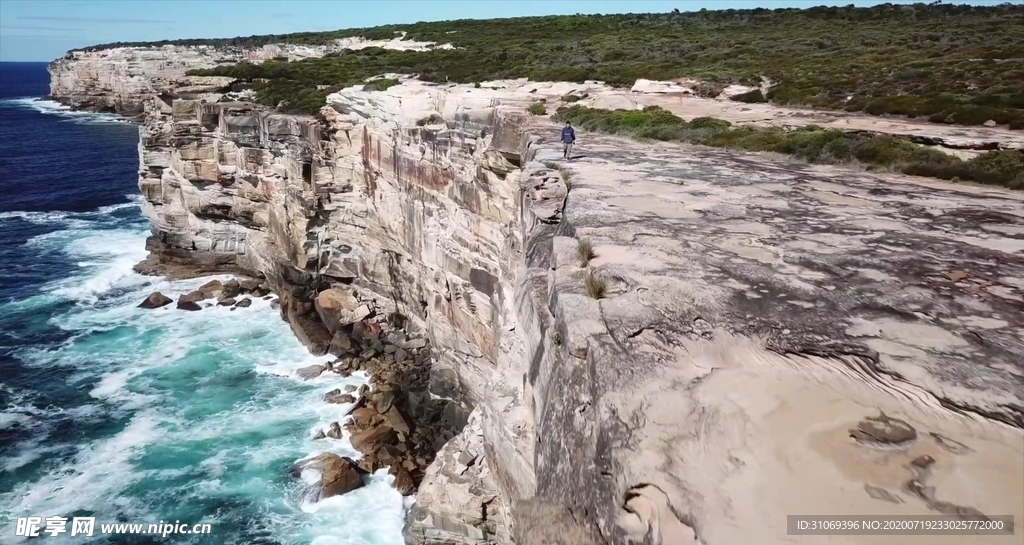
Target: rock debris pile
column 233, row 293
column 394, row 421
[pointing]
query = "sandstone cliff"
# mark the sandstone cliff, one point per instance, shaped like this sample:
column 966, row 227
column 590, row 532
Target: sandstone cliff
column 747, row 338
column 123, row 79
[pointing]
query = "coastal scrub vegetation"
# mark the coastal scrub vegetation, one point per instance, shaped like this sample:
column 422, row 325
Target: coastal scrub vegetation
column 537, row 108
column 945, row 63
column 812, row 144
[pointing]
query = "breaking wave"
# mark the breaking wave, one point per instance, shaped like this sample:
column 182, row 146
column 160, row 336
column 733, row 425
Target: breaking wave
column 51, row 107
column 133, row 415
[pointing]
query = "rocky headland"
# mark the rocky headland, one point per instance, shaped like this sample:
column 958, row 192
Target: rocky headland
column 651, row 343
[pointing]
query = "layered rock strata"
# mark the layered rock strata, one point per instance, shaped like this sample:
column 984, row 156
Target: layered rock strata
column 123, row 79
column 654, row 343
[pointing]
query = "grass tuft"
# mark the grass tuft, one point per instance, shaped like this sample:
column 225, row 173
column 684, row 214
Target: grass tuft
column 585, row 251
column 595, row 286
column 566, row 176
column 565, row 173
column 537, row 108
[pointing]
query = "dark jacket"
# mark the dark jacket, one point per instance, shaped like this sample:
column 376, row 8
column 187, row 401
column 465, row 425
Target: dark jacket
column 568, row 135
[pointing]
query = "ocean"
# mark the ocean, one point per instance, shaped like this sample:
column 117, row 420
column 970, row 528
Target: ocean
column 143, row 416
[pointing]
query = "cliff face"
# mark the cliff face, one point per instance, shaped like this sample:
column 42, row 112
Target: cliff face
column 422, row 214
column 123, row 79
column 720, row 358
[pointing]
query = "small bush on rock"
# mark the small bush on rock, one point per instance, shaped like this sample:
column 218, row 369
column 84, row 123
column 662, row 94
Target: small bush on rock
column 1004, row 167
column 709, row 123
column 537, row 108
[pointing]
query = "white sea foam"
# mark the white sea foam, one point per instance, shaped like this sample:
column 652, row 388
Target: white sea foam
column 160, row 369
column 71, row 220
column 98, row 472
column 35, row 217
column 27, row 452
column 382, row 515
column 11, row 419
column 51, row 107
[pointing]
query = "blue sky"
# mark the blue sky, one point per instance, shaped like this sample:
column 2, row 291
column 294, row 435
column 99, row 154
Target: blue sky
column 42, row 30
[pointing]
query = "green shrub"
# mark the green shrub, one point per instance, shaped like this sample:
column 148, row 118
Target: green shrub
column 812, row 144
column 709, row 123
column 750, row 139
column 665, row 133
column 815, row 145
column 828, row 57
column 1000, row 167
column 537, row 108
column 571, row 98
column 883, row 150
column 651, row 118
column 380, row 85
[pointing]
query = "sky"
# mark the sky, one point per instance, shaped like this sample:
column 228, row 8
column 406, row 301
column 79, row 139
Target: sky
column 43, row 30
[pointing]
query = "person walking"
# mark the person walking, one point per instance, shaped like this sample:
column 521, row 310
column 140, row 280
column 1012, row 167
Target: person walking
column 568, row 139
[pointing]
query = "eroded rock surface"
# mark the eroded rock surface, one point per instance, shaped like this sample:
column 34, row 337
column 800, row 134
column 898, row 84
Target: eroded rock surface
column 754, row 312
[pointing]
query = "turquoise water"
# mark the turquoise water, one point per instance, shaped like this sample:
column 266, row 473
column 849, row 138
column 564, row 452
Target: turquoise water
column 138, row 416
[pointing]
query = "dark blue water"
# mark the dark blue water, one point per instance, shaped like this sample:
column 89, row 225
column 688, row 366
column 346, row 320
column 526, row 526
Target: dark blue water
column 74, row 163
column 132, row 415
column 49, row 164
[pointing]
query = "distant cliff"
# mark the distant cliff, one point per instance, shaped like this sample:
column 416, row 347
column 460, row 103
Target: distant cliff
column 121, row 79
